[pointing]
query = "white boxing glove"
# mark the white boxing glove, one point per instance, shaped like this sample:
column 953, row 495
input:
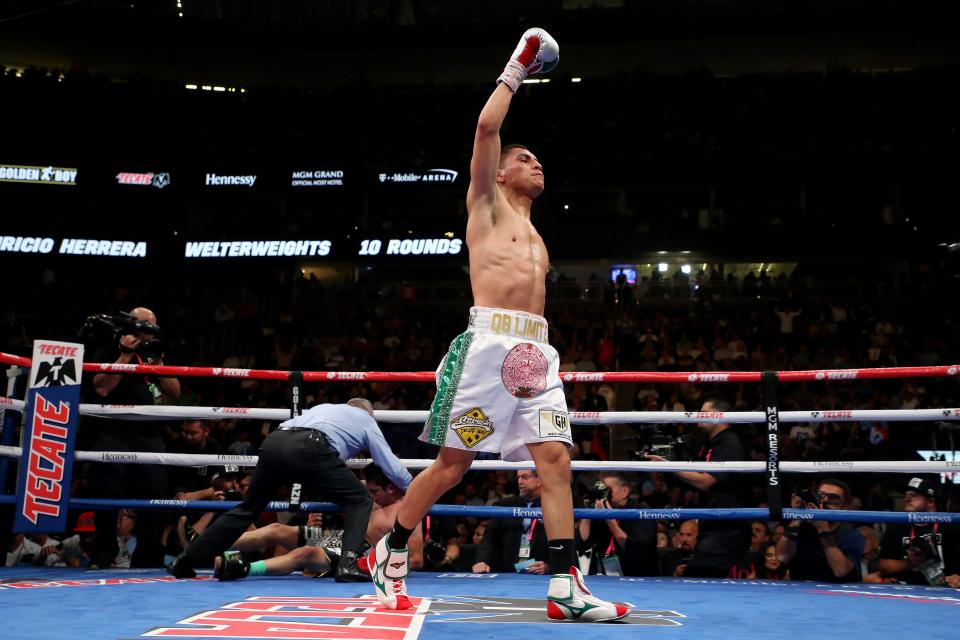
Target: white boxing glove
column 537, row 52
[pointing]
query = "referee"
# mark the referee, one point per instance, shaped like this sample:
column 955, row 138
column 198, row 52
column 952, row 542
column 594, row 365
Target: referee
column 309, row 449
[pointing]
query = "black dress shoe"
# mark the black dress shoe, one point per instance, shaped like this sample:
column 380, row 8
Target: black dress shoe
column 180, row 568
column 347, row 570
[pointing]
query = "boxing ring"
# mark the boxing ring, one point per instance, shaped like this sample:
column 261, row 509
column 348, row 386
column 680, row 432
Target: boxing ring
column 41, row 602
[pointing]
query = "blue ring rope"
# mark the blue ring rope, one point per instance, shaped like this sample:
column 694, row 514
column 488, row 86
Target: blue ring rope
column 830, row 515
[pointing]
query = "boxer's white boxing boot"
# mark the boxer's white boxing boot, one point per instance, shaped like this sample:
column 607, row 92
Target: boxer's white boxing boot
column 537, row 52
column 388, row 568
column 569, row 599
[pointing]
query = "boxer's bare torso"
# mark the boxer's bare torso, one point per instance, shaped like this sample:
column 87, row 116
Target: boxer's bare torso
column 508, row 258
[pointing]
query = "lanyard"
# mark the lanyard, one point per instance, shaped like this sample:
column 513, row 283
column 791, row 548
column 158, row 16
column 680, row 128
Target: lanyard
column 426, row 534
column 610, row 548
column 913, row 531
column 709, row 453
column 533, row 525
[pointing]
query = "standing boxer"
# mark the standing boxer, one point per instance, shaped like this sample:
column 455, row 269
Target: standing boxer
column 498, row 388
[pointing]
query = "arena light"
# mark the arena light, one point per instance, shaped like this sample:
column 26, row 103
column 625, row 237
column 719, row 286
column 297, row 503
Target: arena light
column 192, row 87
column 576, row 80
column 685, row 268
column 207, row 87
column 219, row 88
column 662, row 267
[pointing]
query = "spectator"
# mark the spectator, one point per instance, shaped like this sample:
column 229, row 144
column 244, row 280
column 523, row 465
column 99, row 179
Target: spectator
column 773, row 568
column 513, row 544
column 673, row 561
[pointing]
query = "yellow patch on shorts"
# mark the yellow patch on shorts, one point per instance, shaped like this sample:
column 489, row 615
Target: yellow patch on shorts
column 472, row 427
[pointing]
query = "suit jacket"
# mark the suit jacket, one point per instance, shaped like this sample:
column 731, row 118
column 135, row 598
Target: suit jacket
column 500, row 547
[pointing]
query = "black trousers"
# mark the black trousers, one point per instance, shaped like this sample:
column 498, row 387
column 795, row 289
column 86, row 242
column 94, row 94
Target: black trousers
column 287, row 456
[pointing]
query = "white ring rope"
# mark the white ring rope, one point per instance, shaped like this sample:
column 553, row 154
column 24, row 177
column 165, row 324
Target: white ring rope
column 199, row 460
column 146, row 412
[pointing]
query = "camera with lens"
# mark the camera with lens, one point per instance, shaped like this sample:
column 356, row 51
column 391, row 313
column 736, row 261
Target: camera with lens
column 931, row 568
column 434, row 553
column 596, row 491
column 808, row 496
column 103, row 328
column 660, row 444
column 923, row 547
column 232, row 494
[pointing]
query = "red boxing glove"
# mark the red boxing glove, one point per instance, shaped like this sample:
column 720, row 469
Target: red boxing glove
column 537, row 52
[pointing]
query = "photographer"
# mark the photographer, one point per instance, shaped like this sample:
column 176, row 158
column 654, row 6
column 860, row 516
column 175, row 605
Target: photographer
column 817, row 549
column 620, row 547
column 722, row 542
column 920, row 553
column 133, row 339
column 441, row 544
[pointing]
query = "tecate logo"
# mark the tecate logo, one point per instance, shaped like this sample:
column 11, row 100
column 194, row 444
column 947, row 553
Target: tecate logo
column 836, row 375
column 584, row 377
column 709, row 377
column 346, row 375
column 47, row 447
column 231, row 373
column 118, row 367
column 158, row 180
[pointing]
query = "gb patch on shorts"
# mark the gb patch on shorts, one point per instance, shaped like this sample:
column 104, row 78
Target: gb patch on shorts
column 555, row 424
column 472, row 426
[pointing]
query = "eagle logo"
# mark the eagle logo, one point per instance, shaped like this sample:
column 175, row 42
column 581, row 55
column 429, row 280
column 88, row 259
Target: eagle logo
column 56, row 374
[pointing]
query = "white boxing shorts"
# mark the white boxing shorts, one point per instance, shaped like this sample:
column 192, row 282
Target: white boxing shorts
column 498, row 388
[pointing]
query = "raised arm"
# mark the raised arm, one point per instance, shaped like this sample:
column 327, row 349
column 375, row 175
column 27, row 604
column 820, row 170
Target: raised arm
column 537, row 52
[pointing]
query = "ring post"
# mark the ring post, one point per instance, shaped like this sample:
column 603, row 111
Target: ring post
column 769, row 390
column 296, row 408
column 15, row 375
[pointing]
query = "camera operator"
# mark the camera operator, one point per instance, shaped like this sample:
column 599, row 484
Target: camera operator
column 919, row 553
column 620, row 547
column 817, row 549
column 137, row 341
column 512, row 544
column 722, row 542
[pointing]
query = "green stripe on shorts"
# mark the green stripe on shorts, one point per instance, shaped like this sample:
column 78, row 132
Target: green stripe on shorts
column 447, row 388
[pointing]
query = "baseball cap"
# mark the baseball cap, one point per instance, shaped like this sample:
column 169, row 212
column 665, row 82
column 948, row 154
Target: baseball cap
column 922, row 486
column 85, row 522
